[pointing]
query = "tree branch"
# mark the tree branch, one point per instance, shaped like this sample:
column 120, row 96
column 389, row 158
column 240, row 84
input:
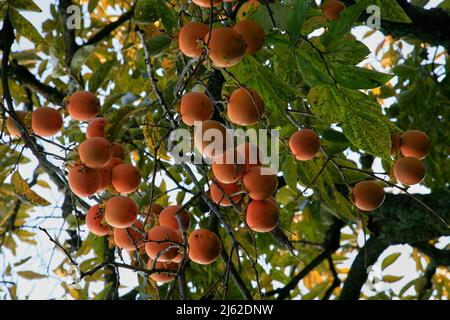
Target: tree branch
column 431, row 26
column 357, row 275
column 110, row 27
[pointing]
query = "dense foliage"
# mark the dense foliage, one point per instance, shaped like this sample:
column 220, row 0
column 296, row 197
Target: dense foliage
column 311, row 73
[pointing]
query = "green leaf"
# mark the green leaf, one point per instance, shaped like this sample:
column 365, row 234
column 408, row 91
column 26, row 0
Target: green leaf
column 146, row 12
column 312, row 65
column 390, row 259
column 21, row 187
column 167, row 15
column 289, row 168
column 25, row 28
column 364, row 124
column 100, row 75
column 391, row 279
column 326, row 103
column 102, row 294
column 80, row 57
column 26, row 5
column 31, row 275
column 347, row 50
column 116, row 121
column 158, row 44
column 281, row 14
column 344, row 24
column 390, row 10
column 275, row 92
column 358, row 78
column 297, row 18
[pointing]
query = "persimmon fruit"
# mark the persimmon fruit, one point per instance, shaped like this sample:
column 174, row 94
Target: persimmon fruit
column 94, row 221
column 219, row 198
column 332, row 9
column 228, row 170
column 409, row 171
column 105, row 179
column 13, row 130
column 121, row 212
column 395, row 143
column 95, row 152
column 204, row 246
column 304, row 144
column 195, row 106
column 245, row 107
column 260, row 182
column 83, row 106
column 226, row 47
column 162, row 235
column 252, row 33
column 368, row 195
column 83, row 181
column 160, row 276
column 414, row 143
column 189, row 37
column 167, row 217
column 125, row 178
column 129, row 238
column 118, row 151
column 210, row 138
column 262, row 216
column 46, row 121
column 96, row 128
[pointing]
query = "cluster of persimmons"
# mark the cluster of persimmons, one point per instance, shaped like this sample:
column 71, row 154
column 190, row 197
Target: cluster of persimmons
column 101, row 164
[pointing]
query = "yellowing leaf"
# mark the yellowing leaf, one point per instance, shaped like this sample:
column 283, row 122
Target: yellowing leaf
column 389, row 260
column 21, row 187
column 153, row 137
column 391, row 279
column 31, row 275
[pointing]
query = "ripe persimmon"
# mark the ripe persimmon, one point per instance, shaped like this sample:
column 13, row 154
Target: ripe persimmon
column 115, row 161
column 262, row 216
column 96, row 128
column 414, row 143
column 228, row 170
column 245, row 107
column 409, row 170
column 204, row 246
column 13, row 130
column 253, row 34
column 167, row 217
column 121, row 212
column 125, row 178
column 210, row 138
column 226, row 46
column 332, row 9
column 260, row 182
column 159, row 239
column 95, row 152
column 161, row 276
column 190, row 36
column 304, row 144
column 195, row 106
column 83, row 106
column 219, row 198
column 83, row 181
column 118, row 151
column 94, row 221
column 129, row 238
column 368, row 195
column 46, row 122
column 105, row 181
column 395, row 143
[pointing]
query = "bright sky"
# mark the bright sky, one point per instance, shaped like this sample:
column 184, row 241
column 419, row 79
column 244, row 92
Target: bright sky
column 46, row 258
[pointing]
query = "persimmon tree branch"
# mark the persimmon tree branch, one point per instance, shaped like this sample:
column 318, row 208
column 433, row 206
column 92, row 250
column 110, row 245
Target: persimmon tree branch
column 331, row 245
column 428, row 25
column 109, row 28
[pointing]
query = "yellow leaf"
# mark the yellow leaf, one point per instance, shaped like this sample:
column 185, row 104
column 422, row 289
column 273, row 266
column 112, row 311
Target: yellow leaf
column 153, row 137
column 30, row 275
column 21, row 187
column 391, row 279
